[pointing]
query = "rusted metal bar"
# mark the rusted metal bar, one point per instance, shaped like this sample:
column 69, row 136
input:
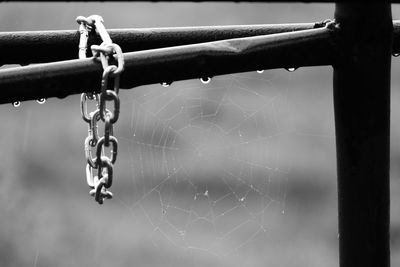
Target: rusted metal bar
column 48, row 46
column 362, row 119
column 60, row 79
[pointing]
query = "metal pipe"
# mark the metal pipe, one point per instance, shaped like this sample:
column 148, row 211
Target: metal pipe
column 236, row 1
column 193, row 1
column 60, row 79
column 362, row 119
column 27, row 47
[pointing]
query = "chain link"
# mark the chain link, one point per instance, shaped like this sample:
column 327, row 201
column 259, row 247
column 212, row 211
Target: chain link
column 112, row 61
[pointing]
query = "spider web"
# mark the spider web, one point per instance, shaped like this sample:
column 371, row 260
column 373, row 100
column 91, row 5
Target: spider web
column 205, row 162
column 215, row 173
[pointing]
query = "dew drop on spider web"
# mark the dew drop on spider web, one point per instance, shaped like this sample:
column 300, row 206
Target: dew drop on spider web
column 291, row 69
column 41, row 101
column 205, row 80
column 166, row 84
column 16, row 104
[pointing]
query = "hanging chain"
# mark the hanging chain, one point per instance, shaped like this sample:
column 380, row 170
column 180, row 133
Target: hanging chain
column 112, row 68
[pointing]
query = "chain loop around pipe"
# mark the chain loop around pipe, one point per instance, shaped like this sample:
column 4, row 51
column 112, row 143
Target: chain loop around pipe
column 112, row 69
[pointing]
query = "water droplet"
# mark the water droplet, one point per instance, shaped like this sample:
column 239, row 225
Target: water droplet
column 260, row 71
column 206, row 193
column 396, row 54
column 242, row 199
column 41, row 100
column 166, row 84
column 16, row 104
column 291, row 69
column 205, row 80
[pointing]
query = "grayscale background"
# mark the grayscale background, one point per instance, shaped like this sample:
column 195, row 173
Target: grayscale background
column 237, row 172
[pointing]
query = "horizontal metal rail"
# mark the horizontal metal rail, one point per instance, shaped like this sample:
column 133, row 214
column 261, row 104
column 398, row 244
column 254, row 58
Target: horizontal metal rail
column 236, row 1
column 285, row 50
column 60, row 79
column 27, row 47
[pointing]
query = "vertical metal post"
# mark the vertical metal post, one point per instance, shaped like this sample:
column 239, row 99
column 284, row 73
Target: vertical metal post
column 362, row 117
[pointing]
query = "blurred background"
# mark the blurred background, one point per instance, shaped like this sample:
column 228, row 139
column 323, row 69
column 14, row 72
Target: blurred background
column 240, row 171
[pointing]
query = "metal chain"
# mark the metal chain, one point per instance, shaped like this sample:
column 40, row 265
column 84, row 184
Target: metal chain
column 107, row 51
